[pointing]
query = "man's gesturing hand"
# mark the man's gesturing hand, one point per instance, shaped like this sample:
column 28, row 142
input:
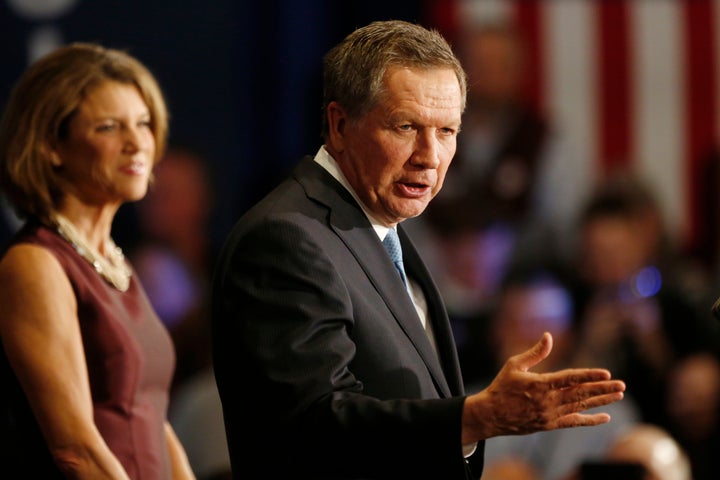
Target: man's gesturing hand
column 519, row 401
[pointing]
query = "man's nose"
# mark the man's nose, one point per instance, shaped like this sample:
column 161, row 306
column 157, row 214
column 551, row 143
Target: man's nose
column 426, row 152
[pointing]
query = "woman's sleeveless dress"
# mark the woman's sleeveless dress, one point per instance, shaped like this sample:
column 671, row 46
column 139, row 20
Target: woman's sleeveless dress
column 130, row 359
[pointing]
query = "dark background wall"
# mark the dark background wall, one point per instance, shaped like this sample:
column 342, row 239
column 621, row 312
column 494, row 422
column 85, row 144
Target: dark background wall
column 242, row 78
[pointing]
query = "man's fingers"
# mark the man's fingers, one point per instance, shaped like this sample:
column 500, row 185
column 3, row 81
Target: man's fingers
column 589, row 402
column 537, row 353
column 580, row 420
column 576, row 376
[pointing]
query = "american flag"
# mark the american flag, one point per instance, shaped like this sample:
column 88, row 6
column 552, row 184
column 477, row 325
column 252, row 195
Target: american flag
column 631, row 83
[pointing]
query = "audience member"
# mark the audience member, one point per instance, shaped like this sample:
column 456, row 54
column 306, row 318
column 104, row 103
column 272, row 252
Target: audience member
column 632, row 317
column 508, row 151
column 705, row 246
column 534, row 299
column 173, row 259
column 510, row 468
column 331, row 352
column 196, row 415
column 643, row 452
column 692, row 406
column 85, row 364
column 506, row 199
column 173, row 255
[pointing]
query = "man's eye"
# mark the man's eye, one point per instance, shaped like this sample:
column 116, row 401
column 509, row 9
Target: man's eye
column 106, row 127
column 405, row 127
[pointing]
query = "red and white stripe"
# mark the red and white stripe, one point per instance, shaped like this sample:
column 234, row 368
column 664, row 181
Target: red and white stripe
column 631, row 83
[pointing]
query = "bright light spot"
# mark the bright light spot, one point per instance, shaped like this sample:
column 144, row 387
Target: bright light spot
column 646, row 282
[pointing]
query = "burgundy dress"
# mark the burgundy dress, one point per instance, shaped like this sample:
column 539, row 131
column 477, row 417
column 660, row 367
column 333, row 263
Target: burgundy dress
column 130, row 360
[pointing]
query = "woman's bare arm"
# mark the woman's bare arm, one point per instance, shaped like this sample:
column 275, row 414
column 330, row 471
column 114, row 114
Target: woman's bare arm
column 40, row 332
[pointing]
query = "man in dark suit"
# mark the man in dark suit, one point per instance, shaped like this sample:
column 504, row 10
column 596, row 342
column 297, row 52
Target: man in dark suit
column 327, row 364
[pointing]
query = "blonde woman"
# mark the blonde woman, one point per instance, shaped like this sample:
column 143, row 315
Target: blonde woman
column 85, row 363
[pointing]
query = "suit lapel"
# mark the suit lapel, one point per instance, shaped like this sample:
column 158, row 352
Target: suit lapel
column 349, row 222
column 437, row 314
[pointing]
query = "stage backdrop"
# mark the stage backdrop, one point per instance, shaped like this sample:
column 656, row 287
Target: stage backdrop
column 631, row 83
column 242, row 77
column 626, row 82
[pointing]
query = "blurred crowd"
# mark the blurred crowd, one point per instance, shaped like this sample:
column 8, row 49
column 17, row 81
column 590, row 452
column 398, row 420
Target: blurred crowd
column 520, row 243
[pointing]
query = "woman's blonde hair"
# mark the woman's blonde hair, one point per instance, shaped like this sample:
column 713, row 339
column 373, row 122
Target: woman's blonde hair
column 37, row 116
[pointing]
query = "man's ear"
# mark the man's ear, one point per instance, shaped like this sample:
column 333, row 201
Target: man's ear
column 337, row 122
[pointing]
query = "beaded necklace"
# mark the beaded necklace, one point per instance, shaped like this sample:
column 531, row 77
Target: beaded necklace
column 112, row 267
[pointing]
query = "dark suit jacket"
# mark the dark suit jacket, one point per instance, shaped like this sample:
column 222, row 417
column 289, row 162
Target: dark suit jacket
column 322, row 365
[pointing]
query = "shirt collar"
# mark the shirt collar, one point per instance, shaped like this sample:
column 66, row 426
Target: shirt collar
column 325, row 160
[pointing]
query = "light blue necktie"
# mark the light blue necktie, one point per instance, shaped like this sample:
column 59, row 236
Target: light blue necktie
column 392, row 245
